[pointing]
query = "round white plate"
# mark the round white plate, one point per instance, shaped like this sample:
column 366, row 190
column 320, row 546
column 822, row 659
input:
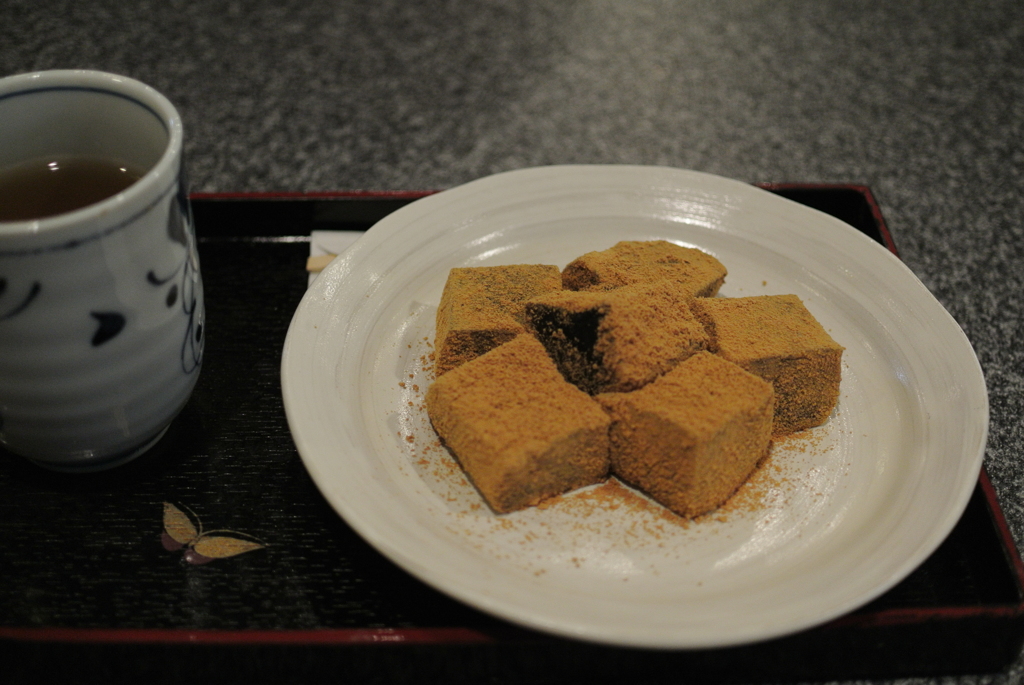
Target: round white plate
column 836, row 517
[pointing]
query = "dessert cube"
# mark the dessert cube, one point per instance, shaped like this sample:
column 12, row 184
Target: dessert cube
column 633, row 261
column 693, row 436
column 617, row 340
column 777, row 338
column 482, row 307
column 521, row 432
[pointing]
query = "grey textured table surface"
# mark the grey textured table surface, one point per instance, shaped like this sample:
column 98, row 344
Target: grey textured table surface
column 923, row 102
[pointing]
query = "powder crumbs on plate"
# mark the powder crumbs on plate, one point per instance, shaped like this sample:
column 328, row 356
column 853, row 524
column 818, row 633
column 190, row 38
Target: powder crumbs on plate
column 614, row 496
column 777, row 473
column 807, row 442
column 428, row 457
column 769, row 476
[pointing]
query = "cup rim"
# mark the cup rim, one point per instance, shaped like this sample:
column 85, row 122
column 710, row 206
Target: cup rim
column 153, row 181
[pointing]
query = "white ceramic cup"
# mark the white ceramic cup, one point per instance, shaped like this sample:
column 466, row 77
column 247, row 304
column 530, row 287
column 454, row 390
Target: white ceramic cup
column 101, row 308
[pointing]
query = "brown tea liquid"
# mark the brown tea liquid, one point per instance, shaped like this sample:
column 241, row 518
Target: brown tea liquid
column 45, row 187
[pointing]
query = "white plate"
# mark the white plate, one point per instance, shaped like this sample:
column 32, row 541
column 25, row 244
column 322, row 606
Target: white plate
column 837, row 516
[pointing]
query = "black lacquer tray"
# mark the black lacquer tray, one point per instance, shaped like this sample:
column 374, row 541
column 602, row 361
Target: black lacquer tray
column 95, row 590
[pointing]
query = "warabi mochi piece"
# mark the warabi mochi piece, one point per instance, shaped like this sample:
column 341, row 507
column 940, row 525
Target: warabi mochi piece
column 617, row 340
column 777, row 338
column 645, row 261
column 482, row 307
column 521, row 432
column 693, row 436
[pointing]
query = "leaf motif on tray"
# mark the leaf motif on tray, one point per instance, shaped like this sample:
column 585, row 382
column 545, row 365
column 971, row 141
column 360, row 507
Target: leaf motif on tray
column 221, row 546
column 201, row 547
column 178, row 525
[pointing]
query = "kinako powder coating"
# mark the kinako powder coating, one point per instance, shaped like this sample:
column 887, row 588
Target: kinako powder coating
column 645, row 261
column 519, row 430
column 690, row 438
column 776, row 338
column 617, row 340
column 482, row 307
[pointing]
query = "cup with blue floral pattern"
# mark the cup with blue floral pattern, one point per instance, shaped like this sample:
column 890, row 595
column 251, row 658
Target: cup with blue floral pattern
column 101, row 299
